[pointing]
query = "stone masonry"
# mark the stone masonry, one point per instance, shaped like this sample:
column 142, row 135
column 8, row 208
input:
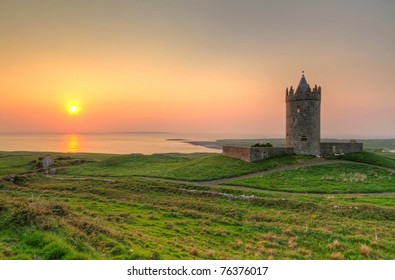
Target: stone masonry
column 303, row 111
column 255, row 153
column 327, row 148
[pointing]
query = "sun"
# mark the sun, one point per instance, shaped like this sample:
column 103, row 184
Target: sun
column 73, row 109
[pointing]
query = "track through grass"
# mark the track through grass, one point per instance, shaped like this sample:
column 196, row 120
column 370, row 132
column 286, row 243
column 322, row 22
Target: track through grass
column 141, row 218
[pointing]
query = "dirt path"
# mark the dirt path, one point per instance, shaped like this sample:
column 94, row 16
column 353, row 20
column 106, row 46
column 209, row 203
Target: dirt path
column 211, row 183
column 266, row 172
column 256, row 190
column 215, row 184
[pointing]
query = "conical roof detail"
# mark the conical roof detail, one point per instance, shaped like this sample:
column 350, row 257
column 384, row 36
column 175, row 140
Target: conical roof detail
column 303, row 85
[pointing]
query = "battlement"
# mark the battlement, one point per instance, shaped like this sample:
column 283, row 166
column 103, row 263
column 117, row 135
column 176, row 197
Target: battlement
column 303, row 93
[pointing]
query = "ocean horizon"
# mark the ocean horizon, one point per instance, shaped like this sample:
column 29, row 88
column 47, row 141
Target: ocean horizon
column 112, row 142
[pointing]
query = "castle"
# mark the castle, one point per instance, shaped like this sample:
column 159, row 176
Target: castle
column 303, row 129
column 303, row 115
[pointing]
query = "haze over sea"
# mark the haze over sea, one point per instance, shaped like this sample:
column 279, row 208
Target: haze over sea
column 114, row 143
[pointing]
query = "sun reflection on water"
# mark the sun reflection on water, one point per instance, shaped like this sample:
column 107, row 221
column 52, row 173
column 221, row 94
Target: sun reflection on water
column 73, row 143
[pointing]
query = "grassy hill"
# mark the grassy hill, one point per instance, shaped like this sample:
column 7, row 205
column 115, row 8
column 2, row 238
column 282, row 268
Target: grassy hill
column 127, row 215
column 332, row 178
column 183, row 167
column 379, row 159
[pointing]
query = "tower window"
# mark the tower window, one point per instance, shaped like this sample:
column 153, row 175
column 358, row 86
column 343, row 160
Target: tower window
column 298, row 109
column 304, row 138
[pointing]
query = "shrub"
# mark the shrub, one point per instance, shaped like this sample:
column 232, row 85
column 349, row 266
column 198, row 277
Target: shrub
column 56, row 251
column 20, row 180
column 27, row 214
column 337, row 256
column 336, row 244
column 155, row 256
column 64, row 158
column 37, row 212
column 263, row 145
column 35, row 239
column 194, row 252
column 365, row 250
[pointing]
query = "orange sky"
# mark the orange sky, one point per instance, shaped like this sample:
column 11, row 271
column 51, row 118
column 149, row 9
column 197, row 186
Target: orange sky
column 195, row 66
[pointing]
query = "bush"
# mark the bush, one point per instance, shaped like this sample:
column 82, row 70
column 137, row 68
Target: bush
column 37, row 212
column 35, row 239
column 56, row 251
column 263, row 145
column 365, row 250
column 20, row 180
column 155, row 256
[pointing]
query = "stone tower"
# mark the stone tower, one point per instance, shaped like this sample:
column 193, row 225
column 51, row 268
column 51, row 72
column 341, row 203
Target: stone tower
column 303, row 118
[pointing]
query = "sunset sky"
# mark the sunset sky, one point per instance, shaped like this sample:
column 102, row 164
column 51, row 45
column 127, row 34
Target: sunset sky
column 215, row 66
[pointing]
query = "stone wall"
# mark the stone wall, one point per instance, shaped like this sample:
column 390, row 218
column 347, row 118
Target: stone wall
column 255, row 153
column 242, row 153
column 260, row 153
column 340, row 148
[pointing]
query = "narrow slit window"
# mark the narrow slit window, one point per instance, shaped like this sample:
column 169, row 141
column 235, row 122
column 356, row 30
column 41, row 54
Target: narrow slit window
column 304, row 138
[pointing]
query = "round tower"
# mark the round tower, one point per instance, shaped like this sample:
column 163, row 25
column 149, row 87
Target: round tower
column 303, row 118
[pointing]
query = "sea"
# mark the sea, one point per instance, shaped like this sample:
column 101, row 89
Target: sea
column 112, row 143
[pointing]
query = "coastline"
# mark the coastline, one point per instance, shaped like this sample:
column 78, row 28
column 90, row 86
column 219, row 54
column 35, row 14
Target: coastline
column 151, row 144
column 206, row 144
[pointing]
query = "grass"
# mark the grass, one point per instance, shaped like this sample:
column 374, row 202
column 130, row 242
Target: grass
column 368, row 158
column 143, row 218
column 387, row 155
column 21, row 162
column 146, row 219
column 180, row 167
column 11, row 163
column 331, row 178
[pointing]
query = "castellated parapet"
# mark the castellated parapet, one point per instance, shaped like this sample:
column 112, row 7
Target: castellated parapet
column 303, row 110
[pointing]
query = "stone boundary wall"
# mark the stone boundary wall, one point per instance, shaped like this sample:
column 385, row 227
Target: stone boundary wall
column 340, row 148
column 243, row 153
column 258, row 153
column 251, row 154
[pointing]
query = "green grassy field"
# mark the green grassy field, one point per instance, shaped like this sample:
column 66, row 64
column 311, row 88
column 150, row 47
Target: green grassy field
column 183, row 167
column 72, row 216
column 387, row 155
column 20, row 162
column 332, row 178
column 369, row 158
